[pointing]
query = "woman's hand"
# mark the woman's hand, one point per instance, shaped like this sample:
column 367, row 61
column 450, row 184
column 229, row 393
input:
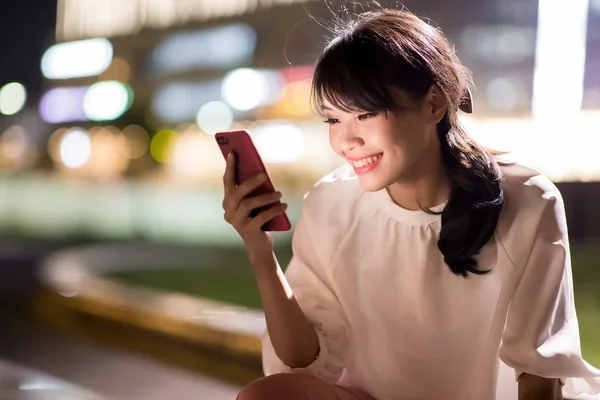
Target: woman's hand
column 238, row 207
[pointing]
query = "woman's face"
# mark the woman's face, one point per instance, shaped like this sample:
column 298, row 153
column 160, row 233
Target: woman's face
column 385, row 148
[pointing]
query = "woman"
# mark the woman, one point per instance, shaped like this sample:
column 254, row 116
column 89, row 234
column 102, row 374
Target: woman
column 424, row 268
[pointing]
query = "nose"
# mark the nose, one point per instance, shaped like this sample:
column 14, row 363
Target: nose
column 350, row 139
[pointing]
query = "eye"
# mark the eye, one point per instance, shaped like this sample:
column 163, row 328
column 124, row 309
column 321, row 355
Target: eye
column 362, row 117
column 331, row 121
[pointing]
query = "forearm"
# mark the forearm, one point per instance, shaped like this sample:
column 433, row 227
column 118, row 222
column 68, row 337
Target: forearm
column 538, row 388
column 292, row 335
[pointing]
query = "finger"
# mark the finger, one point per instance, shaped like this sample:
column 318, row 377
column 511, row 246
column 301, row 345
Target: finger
column 242, row 214
column 245, row 189
column 229, row 175
column 251, row 203
column 267, row 215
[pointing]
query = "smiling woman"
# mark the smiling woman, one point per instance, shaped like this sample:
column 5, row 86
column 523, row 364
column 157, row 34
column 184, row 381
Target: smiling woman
column 426, row 268
column 375, row 92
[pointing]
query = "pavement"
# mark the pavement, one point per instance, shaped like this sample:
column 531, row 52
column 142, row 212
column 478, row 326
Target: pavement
column 51, row 364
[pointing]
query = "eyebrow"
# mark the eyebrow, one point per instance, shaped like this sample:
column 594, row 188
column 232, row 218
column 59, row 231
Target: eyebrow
column 325, row 108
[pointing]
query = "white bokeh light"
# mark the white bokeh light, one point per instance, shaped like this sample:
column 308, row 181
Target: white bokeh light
column 13, row 97
column 279, row 142
column 502, row 94
column 75, row 148
column 559, row 60
column 245, row 89
column 77, row 59
column 105, row 101
column 214, row 117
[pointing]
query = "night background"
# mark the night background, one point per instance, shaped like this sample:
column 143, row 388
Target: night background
column 111, row 230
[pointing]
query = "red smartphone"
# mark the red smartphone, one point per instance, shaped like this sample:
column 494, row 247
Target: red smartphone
column 248, row 163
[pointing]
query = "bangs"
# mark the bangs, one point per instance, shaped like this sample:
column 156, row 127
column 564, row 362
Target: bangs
column 356, row 73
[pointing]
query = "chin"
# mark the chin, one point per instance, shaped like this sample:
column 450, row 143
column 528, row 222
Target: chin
column 372, row 183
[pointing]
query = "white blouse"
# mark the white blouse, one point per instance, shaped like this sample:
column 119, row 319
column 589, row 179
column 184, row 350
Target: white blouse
column 393, row 319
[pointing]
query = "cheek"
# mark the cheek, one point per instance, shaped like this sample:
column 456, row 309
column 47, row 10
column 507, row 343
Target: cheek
column 335, row 142
column 411, row 140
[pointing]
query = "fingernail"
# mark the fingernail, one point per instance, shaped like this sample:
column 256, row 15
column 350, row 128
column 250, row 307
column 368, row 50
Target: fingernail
column 261, row 177
column 229, row 156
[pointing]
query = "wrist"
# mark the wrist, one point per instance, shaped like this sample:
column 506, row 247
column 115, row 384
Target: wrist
column 263, row 263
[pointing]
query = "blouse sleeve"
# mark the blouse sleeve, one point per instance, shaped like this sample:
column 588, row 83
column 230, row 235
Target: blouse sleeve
column 308, row 280
column 541, row 335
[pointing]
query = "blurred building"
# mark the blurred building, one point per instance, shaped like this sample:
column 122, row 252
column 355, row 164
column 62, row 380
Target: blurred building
column 134, row 86
column 135, row 89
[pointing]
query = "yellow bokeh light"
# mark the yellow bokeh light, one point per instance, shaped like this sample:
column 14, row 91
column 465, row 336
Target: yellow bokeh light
column 296, row 98
column 54, row 144
column 109, row 157
column 161, row 146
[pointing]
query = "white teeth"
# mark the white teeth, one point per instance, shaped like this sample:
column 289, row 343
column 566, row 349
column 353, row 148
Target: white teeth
column 365, row 161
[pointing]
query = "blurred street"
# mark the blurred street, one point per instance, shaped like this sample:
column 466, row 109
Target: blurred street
column 117, row 374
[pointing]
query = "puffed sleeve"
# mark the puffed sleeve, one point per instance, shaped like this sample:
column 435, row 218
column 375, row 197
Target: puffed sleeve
column 310, row 284
column 541, row 335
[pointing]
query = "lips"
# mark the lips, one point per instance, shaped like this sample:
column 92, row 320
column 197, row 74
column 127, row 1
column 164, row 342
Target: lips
column 362, row 165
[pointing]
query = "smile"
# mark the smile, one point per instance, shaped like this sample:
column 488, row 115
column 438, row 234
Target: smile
column 366, row 164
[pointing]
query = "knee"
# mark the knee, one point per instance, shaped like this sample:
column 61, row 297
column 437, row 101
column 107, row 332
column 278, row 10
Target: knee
column 278, row 386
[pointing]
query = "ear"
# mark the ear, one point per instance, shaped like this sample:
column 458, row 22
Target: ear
column 435, row 104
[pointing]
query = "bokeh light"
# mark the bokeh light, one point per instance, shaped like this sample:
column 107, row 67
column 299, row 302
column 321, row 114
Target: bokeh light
column 106, row 101
column 161, row 146
column 77, row 59
column 204, row 48
column 109, row 155
column 138, row 141
column 560, row 60
column 214, row 117
column 13, row 97
column 245, row 89
column 75, row 148
column 279, row 142
column 296, row 98
column 15, row 148
column 502, row 94
column 180, row 101
column 188, row 162
column 64, row 104
column 119, row 70
column 54, row 144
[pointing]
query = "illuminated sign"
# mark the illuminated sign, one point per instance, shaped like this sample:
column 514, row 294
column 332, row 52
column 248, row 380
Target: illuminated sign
column 92, row 18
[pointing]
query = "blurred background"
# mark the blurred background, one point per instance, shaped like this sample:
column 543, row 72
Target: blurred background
column 110, row 178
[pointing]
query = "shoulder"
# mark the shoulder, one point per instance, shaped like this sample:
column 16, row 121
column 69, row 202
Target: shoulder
column 530, row 197
column 527, row 190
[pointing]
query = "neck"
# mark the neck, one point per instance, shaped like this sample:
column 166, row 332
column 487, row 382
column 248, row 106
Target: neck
column 427, row 186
